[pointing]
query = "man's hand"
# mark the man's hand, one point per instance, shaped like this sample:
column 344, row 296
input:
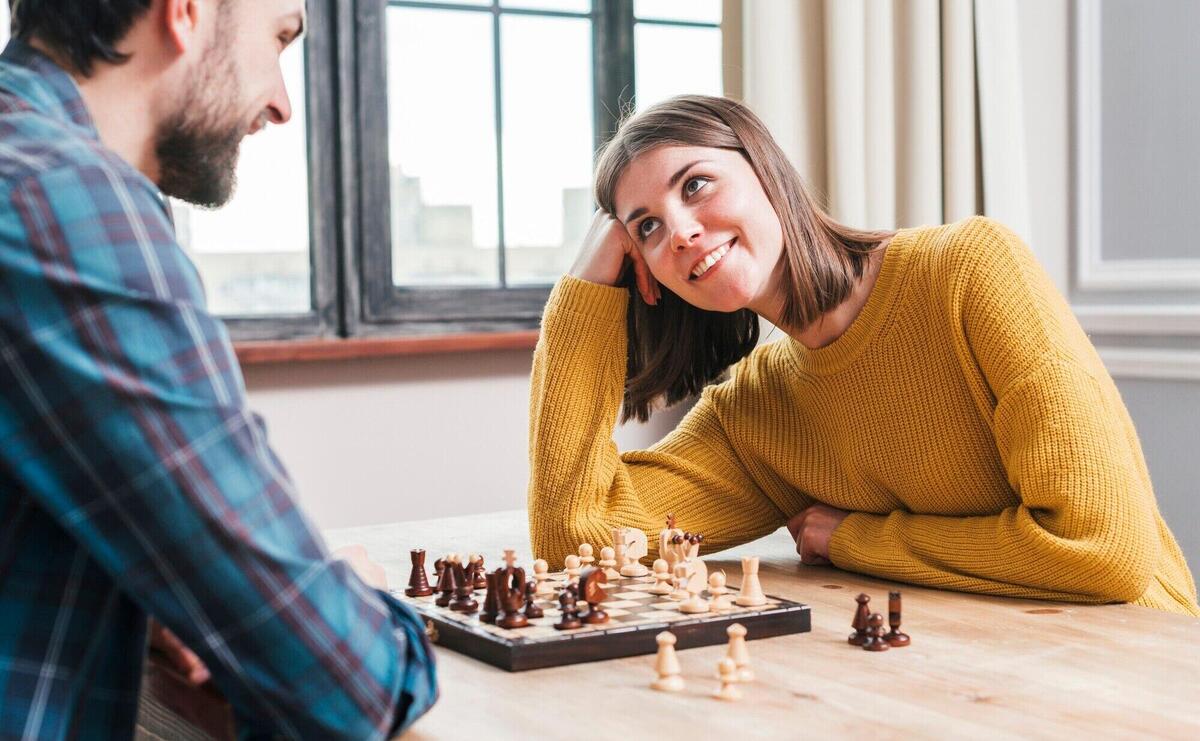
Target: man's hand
column 367, row 570
column 812, row 530
column 183, row 658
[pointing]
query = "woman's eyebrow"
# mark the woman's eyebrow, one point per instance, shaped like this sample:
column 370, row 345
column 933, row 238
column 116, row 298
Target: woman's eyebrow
column 670, row 184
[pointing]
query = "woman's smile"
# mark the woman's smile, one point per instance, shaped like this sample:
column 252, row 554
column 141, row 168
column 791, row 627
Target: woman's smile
column 705, row 265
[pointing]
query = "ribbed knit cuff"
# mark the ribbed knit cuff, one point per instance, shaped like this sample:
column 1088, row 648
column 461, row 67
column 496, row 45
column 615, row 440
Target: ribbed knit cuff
column 587, row 298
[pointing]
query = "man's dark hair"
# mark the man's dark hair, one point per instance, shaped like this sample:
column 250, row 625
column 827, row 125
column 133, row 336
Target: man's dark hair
column 80, row 30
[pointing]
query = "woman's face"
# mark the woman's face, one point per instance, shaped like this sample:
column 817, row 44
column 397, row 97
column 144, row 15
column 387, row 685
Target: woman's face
column 704, row 225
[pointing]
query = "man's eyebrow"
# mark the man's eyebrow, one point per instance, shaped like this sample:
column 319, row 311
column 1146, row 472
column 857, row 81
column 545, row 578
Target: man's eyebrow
column 670, row 184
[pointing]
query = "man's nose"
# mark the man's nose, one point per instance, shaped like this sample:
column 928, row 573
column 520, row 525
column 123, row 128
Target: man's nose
column 279, row 107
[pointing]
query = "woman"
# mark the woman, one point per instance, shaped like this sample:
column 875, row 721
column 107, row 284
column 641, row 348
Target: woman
column 933, row 415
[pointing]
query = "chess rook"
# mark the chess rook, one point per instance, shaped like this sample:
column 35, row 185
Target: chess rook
column 418, row 580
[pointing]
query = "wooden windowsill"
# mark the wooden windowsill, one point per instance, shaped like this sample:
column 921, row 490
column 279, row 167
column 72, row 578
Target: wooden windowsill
column 288, row 351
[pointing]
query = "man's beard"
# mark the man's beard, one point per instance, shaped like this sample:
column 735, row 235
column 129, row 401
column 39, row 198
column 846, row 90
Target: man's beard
column 197, row 146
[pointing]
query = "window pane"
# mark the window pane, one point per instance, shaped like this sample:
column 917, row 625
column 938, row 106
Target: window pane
column 442, row 147
column 253, row 254
column 566, row 6
column 699, row 11
column 660, row 69
column 547, row 88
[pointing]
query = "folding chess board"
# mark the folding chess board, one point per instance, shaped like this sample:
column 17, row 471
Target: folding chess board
column 635, row 617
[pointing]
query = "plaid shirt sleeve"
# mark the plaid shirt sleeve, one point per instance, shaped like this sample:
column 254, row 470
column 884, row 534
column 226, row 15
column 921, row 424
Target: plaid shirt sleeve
column 125, row 419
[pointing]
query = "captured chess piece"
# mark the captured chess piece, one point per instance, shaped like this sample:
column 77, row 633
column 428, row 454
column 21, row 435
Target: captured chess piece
column 418, row 580
column 728, row 672
column 591, row 591
column 586, row 559
column 608, row 559
column 568, row 606
column 737, row 652
column 464, row 600
column 861, row 614
column 751, row 594
column 895, row 638
column 541, row 574
column 666, row 665
column 532, row 608
column 875, row 640
column 662, row 578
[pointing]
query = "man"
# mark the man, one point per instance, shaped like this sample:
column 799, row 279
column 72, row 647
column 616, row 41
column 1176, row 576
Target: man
column 134, row 482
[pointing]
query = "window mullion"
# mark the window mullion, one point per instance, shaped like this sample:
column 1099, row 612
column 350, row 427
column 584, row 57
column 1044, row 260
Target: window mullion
column 612, row 64
column 499, row 106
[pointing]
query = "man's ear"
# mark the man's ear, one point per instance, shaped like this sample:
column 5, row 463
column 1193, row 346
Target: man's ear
column 181, row 19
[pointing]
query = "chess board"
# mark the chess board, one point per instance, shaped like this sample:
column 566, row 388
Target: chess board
column 635, row 617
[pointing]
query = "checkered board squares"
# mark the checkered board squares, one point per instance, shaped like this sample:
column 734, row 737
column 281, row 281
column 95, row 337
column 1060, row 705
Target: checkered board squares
column 635, row 617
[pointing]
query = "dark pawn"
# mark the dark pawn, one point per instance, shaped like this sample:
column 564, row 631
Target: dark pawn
column 570, row 613
column 446, row 584
column 532, row 610
column 480, row 575
column 491, row 601
column 464, row 589
column 859, row 636
column 418, row 580
column 875, row 640
column 895, row 638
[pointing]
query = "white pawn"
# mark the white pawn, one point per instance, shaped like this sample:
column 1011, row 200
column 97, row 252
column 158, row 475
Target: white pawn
column 722, row 599
column 585, row 555
column 681, row 580
column 751, row 594
column 737, row 652
column 666, row 665
column 662, row 578
column 607, row 562
column 728, row 673
column 541, row 575
column 573, row 568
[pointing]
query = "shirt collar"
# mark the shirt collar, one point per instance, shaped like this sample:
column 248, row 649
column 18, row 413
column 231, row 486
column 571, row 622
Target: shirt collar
column 35, row 78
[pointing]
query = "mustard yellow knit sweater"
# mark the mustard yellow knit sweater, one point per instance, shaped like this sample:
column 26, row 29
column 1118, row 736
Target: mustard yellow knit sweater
column 964, row 419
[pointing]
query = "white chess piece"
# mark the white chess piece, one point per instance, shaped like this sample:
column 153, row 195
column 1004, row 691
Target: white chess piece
column 572, row 564
column 635, row 549
column 737, row 652
column 666, row 665
column 751, row 594
column 697, row 572
column 541, row 575
column 694, row 604
column 585, row 555
column 716, row 583
column 607, row 562
column 681, row 580
column 728, row 673
column 662, row 578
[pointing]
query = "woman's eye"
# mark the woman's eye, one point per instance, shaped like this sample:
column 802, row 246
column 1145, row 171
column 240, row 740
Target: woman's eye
column 646, row 227
column 694, row 184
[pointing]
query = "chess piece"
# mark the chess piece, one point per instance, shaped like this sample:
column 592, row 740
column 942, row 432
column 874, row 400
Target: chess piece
column 875, row 640
column 634, row 541
column 480, row 580
column 591, row 591
column 751, row 594
column 607, row 561
column 859, row 636
column 681, row 580
column 619, row 555
column 418, row 580
column 511, row 595
column 662, row 578
column 491, row 600
column 541, row 575
column 586, row 559
column 716, row 583
column 668, row 549
column 471, row 570
column 666, row 665
column 532, row 608
column 697, row 572
column 895, row 638
column 727, row 671
column 737, row 652
column 694, row 604
column 570, row 611
column 573, row 566
column 464, row 600
column 446, row 585
column 510, row 558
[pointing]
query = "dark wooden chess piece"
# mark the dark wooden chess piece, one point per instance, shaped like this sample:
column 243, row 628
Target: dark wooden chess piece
column 895, row 638
column 464, row 600
column 491, row 600
column 418, row 580
column 480, row 574
column 511, row 596
column 875, row 640
column 570, row 612
column 445, row 584
column 532, row 608
column 591, row 590
column 859, row 636
column 471, row 571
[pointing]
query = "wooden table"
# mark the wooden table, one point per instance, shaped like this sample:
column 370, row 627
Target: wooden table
column 977, row 667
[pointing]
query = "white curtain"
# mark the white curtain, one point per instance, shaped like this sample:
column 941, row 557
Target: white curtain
column 898, row 112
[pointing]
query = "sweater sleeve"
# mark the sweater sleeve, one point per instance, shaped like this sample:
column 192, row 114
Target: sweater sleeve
column 1084, row 528
column 580, row 487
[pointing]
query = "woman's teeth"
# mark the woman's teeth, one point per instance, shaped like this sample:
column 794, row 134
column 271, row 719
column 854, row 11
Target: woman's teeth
column 713, row 258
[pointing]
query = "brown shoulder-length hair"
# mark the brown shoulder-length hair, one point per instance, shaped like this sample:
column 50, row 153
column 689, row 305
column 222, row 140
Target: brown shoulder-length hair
column 675, row 349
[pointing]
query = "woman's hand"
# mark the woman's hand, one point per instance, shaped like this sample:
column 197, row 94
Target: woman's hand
column 607, row 250
column 183, row 658
column 812, row 530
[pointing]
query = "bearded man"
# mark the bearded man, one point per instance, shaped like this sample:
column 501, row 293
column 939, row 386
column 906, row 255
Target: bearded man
column 134, row 482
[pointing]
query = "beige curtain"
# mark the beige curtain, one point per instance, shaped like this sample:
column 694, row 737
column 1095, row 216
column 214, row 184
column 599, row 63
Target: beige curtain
column 898, row 112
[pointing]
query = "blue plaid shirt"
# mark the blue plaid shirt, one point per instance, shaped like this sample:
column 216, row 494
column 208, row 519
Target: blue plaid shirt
column 133, row 479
